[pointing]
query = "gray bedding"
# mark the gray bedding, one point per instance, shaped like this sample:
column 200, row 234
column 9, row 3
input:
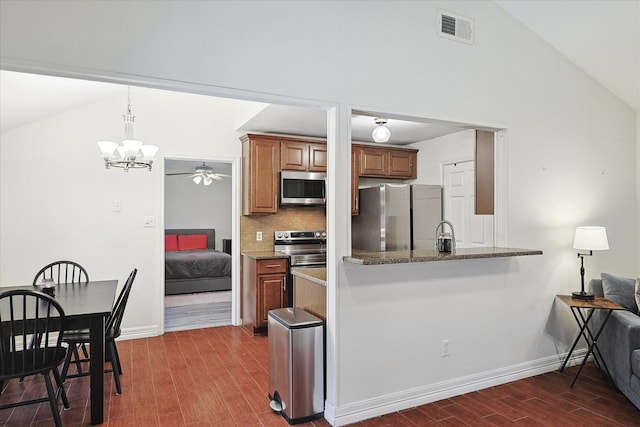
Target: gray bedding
column 197, row 263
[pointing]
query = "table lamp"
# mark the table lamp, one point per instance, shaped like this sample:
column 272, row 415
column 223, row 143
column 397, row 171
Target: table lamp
column 588, row 239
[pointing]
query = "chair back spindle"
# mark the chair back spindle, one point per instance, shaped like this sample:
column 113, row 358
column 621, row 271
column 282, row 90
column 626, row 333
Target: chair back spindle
column 62, row 272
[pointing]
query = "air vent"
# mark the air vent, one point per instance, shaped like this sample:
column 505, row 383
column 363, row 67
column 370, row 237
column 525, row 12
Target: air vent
column 455, row 27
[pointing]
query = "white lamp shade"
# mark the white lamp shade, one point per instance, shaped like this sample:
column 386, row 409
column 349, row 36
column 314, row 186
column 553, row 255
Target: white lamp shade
column 149, row 152
column 207, row 180
column 381, row 134
column 132, row 146
column 591, row 239
column 122, row 152
column 197, row 179
column 107, row 148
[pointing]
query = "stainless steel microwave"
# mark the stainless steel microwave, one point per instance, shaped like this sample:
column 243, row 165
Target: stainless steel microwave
column 303, row 188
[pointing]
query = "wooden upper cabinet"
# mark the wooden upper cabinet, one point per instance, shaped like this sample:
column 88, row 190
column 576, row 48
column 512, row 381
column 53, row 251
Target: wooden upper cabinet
column 303, row 156
column 294, row 156
column 485, row 172
column 355, row 180
column 374, row 162
column 403, row 163
column 378, row 162
column 261, row 166
column 317, row 157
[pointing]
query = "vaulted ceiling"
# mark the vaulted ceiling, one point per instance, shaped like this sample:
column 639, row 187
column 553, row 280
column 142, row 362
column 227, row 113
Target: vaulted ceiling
column 600, row 36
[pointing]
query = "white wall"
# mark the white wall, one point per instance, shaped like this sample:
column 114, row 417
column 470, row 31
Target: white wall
column 434, row 152
column 571, row 161
column 187, row 205
column 57, row 195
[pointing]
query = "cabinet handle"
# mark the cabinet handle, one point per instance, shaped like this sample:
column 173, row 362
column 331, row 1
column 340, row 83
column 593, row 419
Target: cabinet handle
column 272, row 265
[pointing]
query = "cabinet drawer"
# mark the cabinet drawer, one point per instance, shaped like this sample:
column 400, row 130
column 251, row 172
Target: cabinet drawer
column 268, row 266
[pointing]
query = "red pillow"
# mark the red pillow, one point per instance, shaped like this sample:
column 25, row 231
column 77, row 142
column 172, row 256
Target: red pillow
column 171, row 242
column 192, row 241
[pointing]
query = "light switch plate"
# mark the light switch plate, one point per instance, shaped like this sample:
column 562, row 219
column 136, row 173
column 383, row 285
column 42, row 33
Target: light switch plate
column 116, row 206
column 149, row 221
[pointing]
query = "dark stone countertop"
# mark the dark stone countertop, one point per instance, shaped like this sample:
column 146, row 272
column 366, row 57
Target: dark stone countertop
column 315, row 275
column 258, row 255
column 425, row 255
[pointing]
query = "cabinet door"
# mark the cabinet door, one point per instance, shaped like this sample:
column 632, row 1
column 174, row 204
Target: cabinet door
column 317, row 157
column 484, row 200
column 374, row 162
column 355, row 180
column 261, row 186
column 294, row 156
column 402, row 164
column 271, row 295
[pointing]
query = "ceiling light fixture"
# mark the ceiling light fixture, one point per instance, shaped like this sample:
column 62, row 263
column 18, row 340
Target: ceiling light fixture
column 381, row 133
column 206, row 175
column 203, row 174
column 132, row 154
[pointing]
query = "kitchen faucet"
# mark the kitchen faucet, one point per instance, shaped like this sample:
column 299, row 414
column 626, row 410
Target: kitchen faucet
column 443, row 238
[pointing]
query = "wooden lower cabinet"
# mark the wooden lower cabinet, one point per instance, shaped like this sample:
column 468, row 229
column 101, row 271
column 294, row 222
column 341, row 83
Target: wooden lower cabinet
column 264, row 288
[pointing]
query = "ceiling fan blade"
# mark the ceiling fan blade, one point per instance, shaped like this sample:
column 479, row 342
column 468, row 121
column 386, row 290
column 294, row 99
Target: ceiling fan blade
column 178, row 173
column 215, row 176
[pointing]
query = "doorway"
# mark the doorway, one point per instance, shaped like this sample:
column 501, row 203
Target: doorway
column 198, row 244
column 458, row 205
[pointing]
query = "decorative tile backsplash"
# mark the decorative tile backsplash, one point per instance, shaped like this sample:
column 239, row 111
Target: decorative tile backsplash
column 287, row 218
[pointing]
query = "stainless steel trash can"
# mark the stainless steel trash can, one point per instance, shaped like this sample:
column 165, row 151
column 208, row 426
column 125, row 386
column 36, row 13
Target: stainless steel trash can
column 296, row 364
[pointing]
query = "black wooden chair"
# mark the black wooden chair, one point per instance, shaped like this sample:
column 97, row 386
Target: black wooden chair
column 46, row 319
column 76, row 339
column 62, row 272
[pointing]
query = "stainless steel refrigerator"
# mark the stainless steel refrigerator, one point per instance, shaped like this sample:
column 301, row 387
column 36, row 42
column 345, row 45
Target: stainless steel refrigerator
column 395, row 217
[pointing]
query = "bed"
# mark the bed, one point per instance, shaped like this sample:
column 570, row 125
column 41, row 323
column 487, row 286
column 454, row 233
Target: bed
column 197, row 266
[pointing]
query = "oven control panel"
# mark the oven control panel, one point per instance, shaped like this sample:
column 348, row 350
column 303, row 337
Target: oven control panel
column 293, row 235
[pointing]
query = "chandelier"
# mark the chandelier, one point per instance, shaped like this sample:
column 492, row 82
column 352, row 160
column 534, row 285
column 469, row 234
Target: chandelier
column 132, row 154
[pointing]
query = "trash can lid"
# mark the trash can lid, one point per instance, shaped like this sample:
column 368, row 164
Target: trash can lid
column 295, row 317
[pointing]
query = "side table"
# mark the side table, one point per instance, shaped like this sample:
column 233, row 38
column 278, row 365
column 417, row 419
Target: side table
column 582, row 311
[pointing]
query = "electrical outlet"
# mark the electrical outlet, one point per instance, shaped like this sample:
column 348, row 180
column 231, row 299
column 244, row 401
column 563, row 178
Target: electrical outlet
column 444, row 350
column 258, row 235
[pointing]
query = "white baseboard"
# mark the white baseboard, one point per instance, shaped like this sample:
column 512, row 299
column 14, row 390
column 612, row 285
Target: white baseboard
column 393, row 402
column 136, row 333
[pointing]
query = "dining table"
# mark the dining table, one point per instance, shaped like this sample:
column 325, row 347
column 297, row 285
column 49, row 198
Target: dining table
column 86, row 306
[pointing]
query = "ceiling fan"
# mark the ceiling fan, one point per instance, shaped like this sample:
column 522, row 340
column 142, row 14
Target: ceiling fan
column 204, row 174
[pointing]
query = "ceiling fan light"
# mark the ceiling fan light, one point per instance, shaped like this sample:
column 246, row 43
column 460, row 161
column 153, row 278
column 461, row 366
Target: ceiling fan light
column 381, row 134
column 197, row 179
column 207, row 180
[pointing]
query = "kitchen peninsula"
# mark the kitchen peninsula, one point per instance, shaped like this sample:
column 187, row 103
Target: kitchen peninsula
column 310, row 290
column 429, row 255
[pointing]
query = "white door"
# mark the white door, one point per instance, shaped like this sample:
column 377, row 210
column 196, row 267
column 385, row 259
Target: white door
column 471, row 230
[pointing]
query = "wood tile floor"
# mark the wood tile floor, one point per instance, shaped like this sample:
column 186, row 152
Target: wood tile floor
column 218, row 377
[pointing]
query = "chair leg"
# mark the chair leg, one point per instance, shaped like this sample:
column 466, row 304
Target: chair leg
column 52, row 400
column 85, row 351
column 65, row 365
column 63, row 393
column 78, row 361
column 119, row 365
column 116, row 370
